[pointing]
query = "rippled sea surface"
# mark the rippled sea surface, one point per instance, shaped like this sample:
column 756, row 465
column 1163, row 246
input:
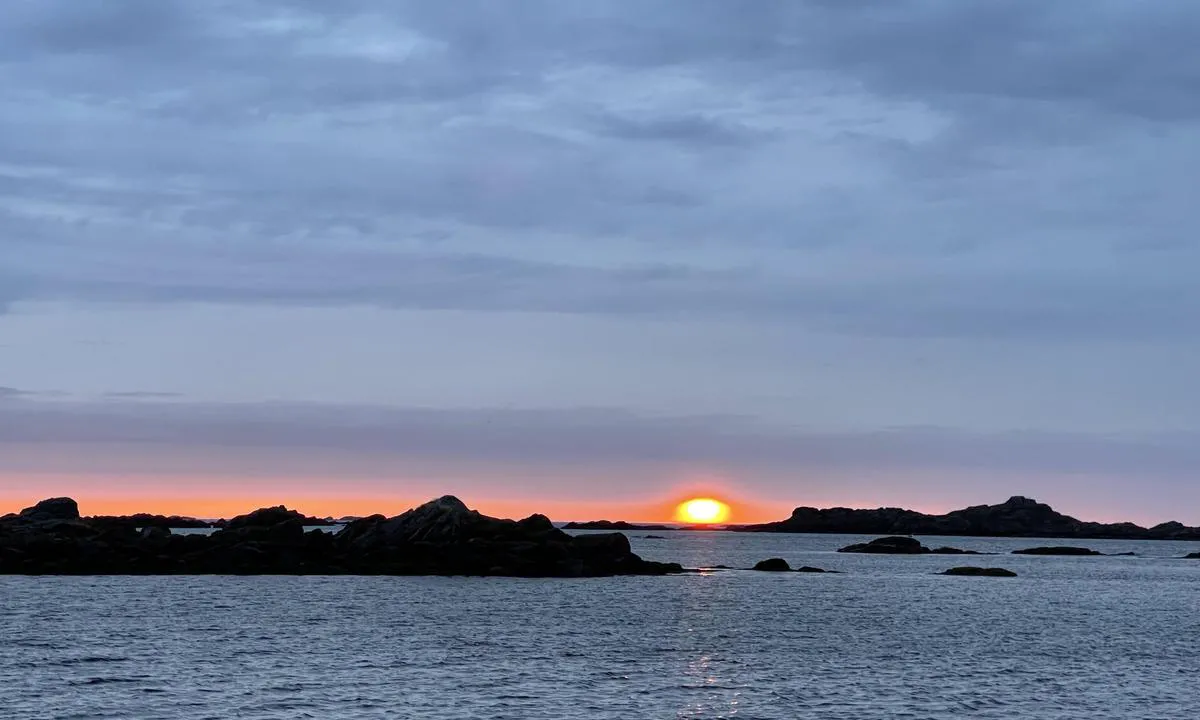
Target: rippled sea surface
column 1089, row 637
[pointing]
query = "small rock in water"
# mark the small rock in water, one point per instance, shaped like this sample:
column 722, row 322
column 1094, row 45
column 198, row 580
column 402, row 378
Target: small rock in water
column 895, row 545
column 773, row 565
column 953, row 551
column 980, row 572
column 1057, row 550
column 810, row 569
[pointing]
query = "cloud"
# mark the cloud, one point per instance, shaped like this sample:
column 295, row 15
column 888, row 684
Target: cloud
column 685, row 128
column 588, row 438
column 1113, row 57
column 912, row 169
column 142, row 395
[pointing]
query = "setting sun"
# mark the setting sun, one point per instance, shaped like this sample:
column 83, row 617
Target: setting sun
column 702, row 511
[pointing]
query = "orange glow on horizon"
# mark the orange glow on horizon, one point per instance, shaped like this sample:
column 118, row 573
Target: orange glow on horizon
column 212, row 497
column 227, row 506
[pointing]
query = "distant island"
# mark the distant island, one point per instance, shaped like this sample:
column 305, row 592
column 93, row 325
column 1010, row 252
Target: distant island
column 441, row 537
column 617, row 525
column 1017, row 517
column 145, row 520
column 623, row 526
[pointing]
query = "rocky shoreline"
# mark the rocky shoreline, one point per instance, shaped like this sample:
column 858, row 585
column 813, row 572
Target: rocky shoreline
column 441, row 537
column 1017, row 517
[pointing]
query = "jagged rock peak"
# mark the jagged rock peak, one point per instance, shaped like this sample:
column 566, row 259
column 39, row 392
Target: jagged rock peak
column 1021, row 501
column 447, row 502
column 443, row 519
column 265, row 517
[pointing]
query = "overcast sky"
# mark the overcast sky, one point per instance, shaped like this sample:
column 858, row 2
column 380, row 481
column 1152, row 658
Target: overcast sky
column 925, row 252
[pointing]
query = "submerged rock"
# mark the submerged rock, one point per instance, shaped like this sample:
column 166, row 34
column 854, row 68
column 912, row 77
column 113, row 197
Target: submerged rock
column 810, row 569
column 773, row 565
column 442, row 537
column 980, row 572
column 1192, row 556
column 953, row 551
column 1057, row 550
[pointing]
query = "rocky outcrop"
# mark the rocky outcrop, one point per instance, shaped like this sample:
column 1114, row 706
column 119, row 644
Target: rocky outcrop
column 898, row 545
column 953, row 551
column 773, row 565
column 893, row 545
column 1056, row 551
column 612, row 525
column 147, row 520
column 1192, row 556
column 980, row 572
column 54, row 509
column 1016, row 517
column 442, row 537
column 781, row 565
column 266, row 517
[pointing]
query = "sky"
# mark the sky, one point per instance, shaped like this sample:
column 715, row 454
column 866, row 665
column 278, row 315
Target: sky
column 588, row 258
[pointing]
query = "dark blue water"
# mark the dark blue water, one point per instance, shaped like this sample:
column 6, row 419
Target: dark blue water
column 1108, row 637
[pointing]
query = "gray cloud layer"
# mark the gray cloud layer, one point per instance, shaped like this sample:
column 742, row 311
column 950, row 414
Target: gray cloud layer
column 587, row 437
column 869, row 212
column 924, row 168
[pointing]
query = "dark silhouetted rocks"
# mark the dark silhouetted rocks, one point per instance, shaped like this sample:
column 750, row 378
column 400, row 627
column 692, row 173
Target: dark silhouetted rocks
column 899, row 545
column 1017, row 517
column 266, row 517
column 1069, row 551
column 653, row 537
column 893, row 545
column 146, row 520
column 52, row 510
column 612, row 525
column 442, row 537
column 953, row 551
column 980, row 572
column 781, row 565
column 773, row 565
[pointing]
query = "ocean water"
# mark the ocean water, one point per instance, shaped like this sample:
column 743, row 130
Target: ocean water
column 1092, row 637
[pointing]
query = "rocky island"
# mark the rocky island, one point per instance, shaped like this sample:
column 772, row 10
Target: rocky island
column 901, row 546
column 617, row 525
column 972, row 571
column 1017, row 517
column 274, row 516
column 441, row 537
